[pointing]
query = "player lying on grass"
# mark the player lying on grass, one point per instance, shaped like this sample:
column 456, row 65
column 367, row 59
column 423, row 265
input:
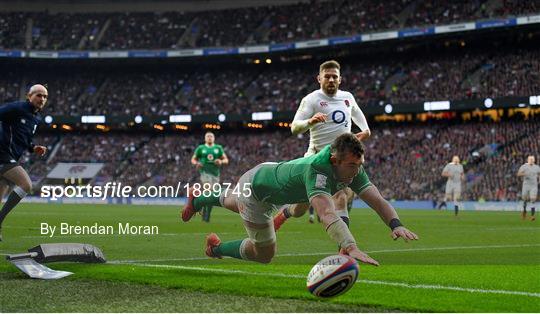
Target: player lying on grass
column 312, row 179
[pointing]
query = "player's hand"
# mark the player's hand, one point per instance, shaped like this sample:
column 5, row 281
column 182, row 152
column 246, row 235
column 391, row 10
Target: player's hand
column 40, row 150
column 317, row 118
column 358, row 255
column 402, row 232
column 217, row 162
column 198, row 165
column 363, row 135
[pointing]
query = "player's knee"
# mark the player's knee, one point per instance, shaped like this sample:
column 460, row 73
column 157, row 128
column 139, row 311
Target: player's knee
column 264, row 259
column 26, row 186
column 230, row 203
column 264, row 252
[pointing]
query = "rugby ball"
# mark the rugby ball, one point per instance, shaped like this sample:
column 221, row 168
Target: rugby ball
column 332, row 276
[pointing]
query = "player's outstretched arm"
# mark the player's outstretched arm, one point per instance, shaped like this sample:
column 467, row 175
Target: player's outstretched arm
column 337, row 229
column 360, row 120
column 388, row 214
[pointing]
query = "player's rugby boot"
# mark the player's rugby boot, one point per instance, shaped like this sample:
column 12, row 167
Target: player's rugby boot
column 279, row 219
column 212, row 241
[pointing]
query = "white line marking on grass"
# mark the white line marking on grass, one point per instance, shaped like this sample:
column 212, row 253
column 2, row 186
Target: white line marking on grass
column 444, row 248
column 330, row 253
column 373, row 282
column 514, row 229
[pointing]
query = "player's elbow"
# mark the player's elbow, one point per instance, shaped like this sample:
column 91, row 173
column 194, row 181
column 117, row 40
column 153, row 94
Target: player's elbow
column 295, row 130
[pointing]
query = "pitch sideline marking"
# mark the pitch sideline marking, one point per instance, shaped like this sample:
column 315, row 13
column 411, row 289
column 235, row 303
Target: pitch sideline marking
column 330, row 253
column 375, row 282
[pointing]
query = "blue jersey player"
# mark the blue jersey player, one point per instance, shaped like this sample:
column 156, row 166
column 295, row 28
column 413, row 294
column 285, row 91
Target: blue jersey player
column 19, row 122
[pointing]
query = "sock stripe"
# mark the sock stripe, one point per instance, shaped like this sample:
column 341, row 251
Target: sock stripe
column 17, row 189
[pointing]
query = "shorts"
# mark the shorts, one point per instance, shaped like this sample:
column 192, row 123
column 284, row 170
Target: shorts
column 529, row 192
column 208, row 178
column 453, row 189
column 5, row 167
column 249, row 207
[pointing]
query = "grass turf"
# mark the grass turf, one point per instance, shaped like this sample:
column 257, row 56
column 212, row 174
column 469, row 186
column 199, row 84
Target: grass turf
column 456, row 266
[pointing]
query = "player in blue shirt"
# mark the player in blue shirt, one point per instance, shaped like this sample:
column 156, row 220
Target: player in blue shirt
column 19, row 122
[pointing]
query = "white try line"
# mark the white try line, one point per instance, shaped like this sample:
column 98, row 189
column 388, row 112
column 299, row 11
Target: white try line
column 373, row 282
column 330, row 253
column 48, row 236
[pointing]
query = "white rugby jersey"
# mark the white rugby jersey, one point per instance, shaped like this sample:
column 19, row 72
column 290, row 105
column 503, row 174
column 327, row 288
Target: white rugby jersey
column 339, row 110
column 455, row 171
column 531, row 174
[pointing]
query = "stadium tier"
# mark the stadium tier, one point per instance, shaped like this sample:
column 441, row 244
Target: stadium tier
column 164, row 90
column 236, row 27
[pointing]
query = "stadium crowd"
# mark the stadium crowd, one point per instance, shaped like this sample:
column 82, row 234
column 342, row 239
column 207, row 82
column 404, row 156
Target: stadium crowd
column 233, row 27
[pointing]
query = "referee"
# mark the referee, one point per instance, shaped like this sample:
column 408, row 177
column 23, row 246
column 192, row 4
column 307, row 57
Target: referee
column 19, row 122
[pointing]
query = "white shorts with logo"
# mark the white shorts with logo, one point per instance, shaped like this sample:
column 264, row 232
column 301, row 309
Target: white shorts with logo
column 529, row 192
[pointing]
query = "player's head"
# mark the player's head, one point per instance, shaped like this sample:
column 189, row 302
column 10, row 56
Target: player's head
column 347, row 156
column 37, row 96
column 209, row 138
column 329, row 76
column 531, row 160
column 455, row 159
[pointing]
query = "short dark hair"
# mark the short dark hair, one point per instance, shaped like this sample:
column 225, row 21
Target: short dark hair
column 347, row 143
column 330, row 64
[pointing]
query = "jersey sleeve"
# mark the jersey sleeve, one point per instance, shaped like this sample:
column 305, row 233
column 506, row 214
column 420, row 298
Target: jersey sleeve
column 7, row 112
column 305, row 110
column 221, row 152
column 446, row 168
column 197, row 153
column 316, row 183
column 358, row 116
column 360, row 182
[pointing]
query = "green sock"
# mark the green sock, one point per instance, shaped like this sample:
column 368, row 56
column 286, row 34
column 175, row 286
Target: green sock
column 201, row 201
column 231, row 248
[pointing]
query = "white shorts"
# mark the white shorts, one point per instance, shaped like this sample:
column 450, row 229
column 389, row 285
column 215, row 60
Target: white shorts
column 249, row 207
column 529, row 192
column 453, row 190
column 208, row 178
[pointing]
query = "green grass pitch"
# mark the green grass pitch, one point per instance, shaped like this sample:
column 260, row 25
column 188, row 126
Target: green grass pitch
column 481, row 262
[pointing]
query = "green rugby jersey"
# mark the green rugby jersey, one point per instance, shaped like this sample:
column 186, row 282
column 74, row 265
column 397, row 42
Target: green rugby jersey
column 206, row 156
column 298, row 180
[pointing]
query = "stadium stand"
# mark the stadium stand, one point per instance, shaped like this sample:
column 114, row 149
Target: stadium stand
column 270, row 24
